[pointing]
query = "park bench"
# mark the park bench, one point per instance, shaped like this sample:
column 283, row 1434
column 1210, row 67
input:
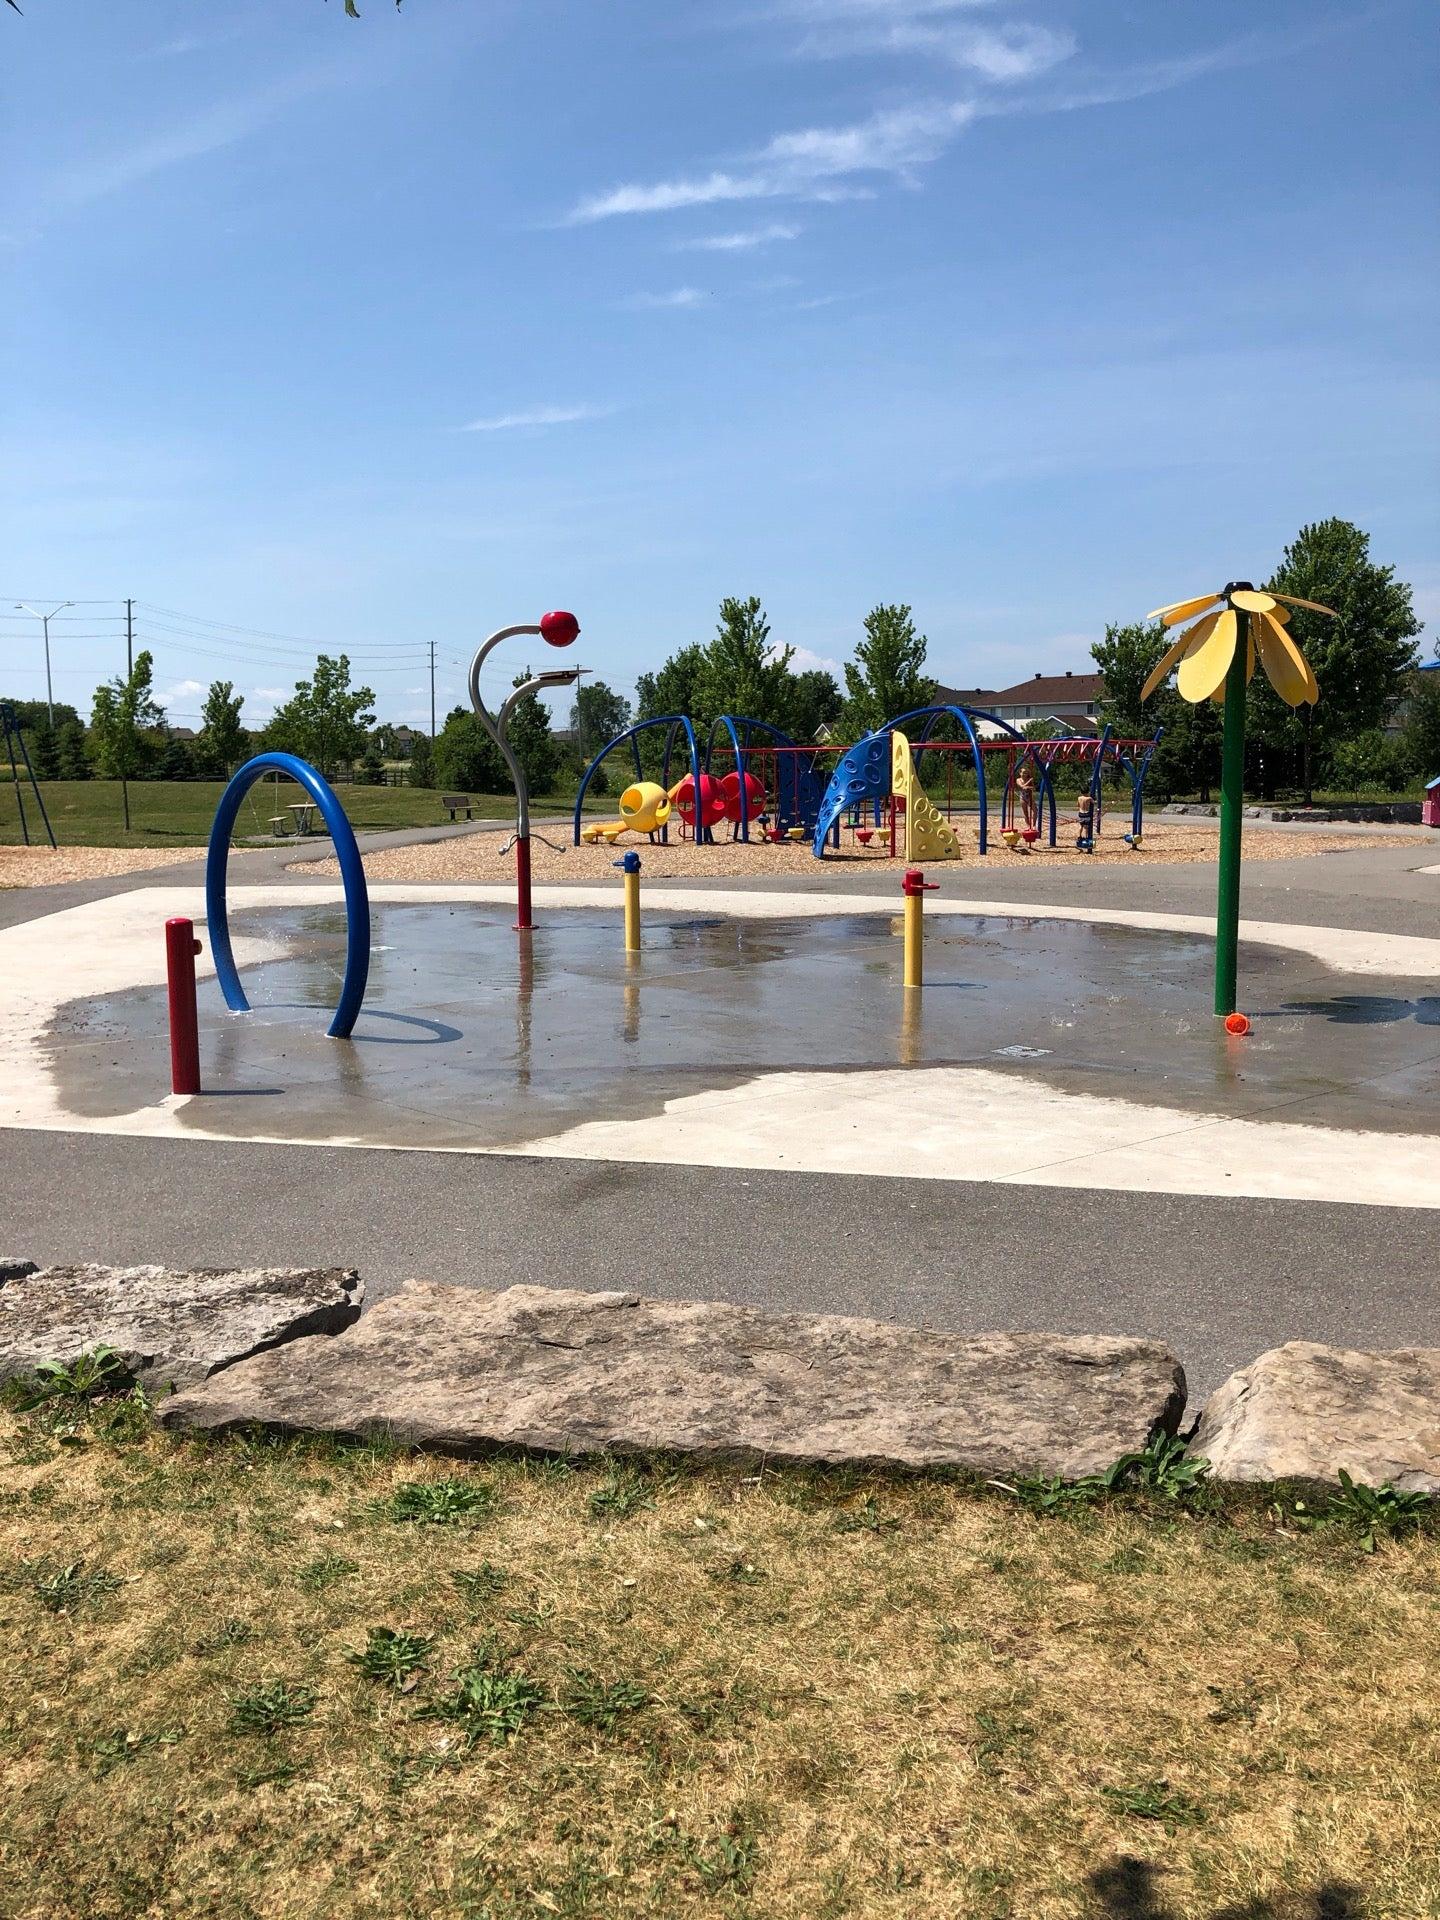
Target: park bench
column 455, row 803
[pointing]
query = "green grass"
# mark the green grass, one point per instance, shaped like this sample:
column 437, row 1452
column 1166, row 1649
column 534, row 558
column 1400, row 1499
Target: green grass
column 177, row 813
column 252, row 1679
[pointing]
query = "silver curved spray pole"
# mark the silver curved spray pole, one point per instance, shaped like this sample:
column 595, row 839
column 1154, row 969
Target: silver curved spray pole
column 496, row 725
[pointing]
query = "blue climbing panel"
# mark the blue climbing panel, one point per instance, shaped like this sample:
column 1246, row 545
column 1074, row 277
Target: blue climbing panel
column 863, row 774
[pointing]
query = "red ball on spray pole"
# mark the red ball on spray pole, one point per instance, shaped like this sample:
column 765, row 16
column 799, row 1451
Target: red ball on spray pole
column 559, row 629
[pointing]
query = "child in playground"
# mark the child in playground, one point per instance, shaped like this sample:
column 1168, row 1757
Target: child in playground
column 1025, row 787
column 1085, row 824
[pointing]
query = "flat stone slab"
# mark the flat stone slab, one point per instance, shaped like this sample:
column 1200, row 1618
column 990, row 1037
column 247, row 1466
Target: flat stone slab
column 1304, row 1411
column 168, row 1327
column 462, row 1372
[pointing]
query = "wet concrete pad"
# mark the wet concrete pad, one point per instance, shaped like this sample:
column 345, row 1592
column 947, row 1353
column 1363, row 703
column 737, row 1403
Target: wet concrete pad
column 561, row 1371
column 169, row 1328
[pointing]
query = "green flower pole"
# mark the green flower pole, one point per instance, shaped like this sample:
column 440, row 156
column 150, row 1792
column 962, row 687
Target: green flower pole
column 1232, row 807
column 1234, row 628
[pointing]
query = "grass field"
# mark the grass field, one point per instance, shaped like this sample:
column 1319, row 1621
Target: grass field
column 177, row 813
column 251, row 1680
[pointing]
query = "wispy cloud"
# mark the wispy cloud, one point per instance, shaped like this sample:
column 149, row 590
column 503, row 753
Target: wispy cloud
column 802, row 660
column 1014, row 51
column 812, row 163
column 677, row 297
column 742, row 242
column 182, row 690
column 536, row 417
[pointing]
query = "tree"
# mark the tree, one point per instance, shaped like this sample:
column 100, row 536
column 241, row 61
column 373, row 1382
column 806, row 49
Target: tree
column 72, row 749
column 372, row 765
column 125, row 709
column 532, row 742
column 741, row 672
column 466, row 758
column 174, row 761
column 326, row 721
column 1362, row 659
column 887, row 676
column 597, row 715
column 1422, row 725
column 675, row 688
column 44, row 745
column 815, row 702
column 1371, row 762
column 421, row 770
column 222, row 742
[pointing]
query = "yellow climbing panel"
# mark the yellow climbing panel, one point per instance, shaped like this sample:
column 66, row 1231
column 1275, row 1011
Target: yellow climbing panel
column 928, row 835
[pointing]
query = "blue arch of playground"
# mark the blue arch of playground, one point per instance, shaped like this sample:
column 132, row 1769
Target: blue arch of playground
column 861, row 777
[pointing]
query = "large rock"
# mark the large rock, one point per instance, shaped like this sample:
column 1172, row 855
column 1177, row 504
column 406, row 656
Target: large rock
column 463, row 1371
column 1302, row 1412
column 168, row 1327
column 15, row 1269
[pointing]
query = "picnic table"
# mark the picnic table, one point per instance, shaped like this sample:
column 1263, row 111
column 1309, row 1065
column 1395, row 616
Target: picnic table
column 304, row 812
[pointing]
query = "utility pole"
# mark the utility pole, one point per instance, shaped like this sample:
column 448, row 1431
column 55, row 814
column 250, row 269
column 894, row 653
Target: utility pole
column 432, row 693
column 22, row 606
column 129, row 637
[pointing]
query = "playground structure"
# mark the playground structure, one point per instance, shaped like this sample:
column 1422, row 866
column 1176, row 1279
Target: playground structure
column 750, row 773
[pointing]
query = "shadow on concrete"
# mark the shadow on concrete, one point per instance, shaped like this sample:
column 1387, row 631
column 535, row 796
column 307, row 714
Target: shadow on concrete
column 1126, row 1890
column 1368, row 1009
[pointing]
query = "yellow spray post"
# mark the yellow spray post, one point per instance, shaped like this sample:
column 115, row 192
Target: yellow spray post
column 631, row 868
column 915, row 887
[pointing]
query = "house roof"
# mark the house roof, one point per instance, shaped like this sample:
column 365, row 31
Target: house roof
column 1045, row 690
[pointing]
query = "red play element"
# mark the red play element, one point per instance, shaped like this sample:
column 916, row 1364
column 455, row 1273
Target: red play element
column 1030, row 835
column 1237, row 1023
column 864, row 835
column 712, row 801
column 523, row 920
column 915, row 881
column 730, row 790
column 559, row 629
column 181, row 947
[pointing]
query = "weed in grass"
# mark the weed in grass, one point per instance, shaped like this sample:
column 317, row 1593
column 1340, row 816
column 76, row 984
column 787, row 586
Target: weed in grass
column 1156, row 1800
column 1164, row 1467
column 622, row 1492
column 60, row 1589
column 866, row 1518
column 1377, row 1513
column 393, row 1655
column 114, row 1749
column 1051, row 1495
column 271, row 1707
column 316, row 1575
column 591, row 1702
column 489, row 1700
column 1001, row 1735
column 89, row 1376
column 440, row 1503
column 1127, row 1559
column 729, row 1862
column 278, row 1774
column 477, row 1584
column 229, row 1633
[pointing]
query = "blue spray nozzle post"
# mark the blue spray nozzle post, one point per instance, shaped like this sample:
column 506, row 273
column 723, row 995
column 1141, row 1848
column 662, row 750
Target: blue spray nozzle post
column 631, row 863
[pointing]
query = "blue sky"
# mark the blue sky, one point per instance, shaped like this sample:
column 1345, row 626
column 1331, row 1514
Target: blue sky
column 374, row 332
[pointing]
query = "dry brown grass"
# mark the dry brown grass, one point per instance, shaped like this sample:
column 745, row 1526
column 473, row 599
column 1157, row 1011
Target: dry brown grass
column 847, row 1697
column 477, row 857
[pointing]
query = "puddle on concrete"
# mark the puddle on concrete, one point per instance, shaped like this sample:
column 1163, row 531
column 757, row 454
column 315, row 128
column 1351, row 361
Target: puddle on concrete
column 474, row 1036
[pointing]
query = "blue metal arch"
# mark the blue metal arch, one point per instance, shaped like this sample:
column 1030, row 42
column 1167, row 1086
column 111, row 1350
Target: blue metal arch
column 965, row 715
column 352, row 872
column 670, row 720
column 801, row 804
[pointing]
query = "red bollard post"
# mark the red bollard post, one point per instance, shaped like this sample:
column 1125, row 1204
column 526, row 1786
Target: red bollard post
column 523, row 920
column 181, row 947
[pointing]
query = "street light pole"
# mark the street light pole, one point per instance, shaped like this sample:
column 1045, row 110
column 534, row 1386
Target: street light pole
column 558, row 630
column 23, row 606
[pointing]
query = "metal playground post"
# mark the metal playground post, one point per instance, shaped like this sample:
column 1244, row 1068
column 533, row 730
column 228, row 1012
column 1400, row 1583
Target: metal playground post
column 557, row 629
